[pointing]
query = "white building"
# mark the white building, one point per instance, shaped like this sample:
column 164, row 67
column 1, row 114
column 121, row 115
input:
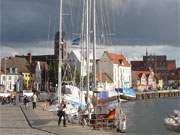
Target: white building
column 114, row 69
column 76, row 58
column 10, row 79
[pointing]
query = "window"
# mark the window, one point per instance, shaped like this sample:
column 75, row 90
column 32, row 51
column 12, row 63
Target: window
column 9, row 77
column 15, row 78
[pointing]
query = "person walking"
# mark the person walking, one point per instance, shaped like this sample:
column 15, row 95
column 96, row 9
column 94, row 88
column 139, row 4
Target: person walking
column 62, row 113
column 25, row 101
column 34, row 100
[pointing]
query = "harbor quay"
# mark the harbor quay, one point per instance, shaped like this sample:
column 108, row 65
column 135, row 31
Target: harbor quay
column 16, row 120
column 157, row 94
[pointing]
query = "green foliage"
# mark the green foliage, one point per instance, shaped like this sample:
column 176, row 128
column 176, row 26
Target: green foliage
column 69, row 73
column 53, row 72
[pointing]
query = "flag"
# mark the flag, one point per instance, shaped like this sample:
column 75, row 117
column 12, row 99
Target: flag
column 76, row 41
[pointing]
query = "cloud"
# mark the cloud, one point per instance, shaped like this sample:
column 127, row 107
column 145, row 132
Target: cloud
column 36, row 48
column 132, row 21
column 143, row 22
column 131, row 52
column 136, row 52
column 26, row 21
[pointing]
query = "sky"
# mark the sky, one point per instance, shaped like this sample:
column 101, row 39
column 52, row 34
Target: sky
column 123, row 26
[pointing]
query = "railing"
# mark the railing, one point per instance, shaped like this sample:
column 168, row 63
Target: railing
column 99, row 121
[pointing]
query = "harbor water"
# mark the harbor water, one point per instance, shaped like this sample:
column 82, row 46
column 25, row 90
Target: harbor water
column 147, row 117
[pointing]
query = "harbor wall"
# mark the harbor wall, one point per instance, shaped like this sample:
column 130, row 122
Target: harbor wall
column 157, row 94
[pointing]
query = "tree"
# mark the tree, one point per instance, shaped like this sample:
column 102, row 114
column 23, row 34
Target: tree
column 53, row 72
column 69, row 73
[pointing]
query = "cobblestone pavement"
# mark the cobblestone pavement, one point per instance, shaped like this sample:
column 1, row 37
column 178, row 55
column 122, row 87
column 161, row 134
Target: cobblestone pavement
column 16, row 120
column 47, row 121
column 13, row 122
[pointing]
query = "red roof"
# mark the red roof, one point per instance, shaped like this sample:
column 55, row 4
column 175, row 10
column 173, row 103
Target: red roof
column 138, row 74
column 147, row 75
column 171, row 65
column 118, row 59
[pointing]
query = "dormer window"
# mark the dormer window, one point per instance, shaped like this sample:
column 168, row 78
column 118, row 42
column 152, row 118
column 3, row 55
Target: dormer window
column 120, row 61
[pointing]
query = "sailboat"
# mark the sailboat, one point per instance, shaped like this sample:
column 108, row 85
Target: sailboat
column 72, row 95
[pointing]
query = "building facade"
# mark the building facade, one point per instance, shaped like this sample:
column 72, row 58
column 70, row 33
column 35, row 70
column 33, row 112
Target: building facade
column 114, row 68
column 10, row 80
column 16, row 68
column 75, row 57
column 160, row 65
column 146, row 81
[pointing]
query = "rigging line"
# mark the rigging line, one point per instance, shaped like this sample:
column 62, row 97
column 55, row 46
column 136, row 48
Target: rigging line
column 54, row 27
column 107, row 27
column 102, row 22
column 48, row 37
column 64, row 72
column 71, row 19
column 98, row 24
column 74, row 76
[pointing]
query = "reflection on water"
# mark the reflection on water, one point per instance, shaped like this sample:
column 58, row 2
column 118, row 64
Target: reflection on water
column 147, row 117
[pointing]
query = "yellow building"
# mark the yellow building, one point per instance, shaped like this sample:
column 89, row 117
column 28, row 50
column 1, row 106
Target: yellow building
column 23, row 67
column 26, row 80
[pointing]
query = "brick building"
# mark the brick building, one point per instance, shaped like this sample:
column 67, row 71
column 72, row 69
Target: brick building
column 159, row 64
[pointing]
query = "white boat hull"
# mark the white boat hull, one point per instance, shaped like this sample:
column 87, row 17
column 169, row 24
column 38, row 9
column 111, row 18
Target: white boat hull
column 171, row 124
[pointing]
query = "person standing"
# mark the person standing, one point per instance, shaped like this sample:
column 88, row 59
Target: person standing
column 62, row 113
column 120, row 118
column 34, row 100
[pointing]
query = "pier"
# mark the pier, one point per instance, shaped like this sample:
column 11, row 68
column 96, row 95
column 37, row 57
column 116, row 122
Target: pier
column 157, row 94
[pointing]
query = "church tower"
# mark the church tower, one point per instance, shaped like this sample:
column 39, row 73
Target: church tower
column 64, row 46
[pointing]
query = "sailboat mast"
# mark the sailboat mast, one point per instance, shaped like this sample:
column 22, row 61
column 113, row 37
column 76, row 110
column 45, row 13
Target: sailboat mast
column 87, row 48
column 82, row 51
column 60, row 58
column 94, row 43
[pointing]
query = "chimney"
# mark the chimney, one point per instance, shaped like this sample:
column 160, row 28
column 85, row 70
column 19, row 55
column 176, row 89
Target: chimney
column 29, row 58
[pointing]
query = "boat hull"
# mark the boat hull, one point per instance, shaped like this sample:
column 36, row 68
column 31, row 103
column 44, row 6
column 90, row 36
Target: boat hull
column 127, row 97
column 171, row 125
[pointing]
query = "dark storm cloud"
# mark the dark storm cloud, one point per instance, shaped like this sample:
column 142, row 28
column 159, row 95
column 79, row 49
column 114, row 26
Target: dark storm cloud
column 26, row 20
column 131, row 21
column 144, row 21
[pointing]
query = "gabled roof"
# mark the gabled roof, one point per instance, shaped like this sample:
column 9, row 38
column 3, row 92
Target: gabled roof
column 136, row 75
column 16, row 62
column 117, row 59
